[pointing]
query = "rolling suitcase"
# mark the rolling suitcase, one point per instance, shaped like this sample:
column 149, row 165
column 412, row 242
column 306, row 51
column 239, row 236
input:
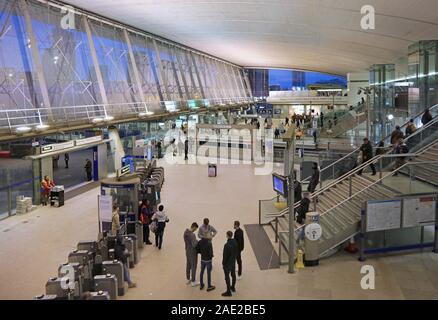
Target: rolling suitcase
column 212, row 170
column 135, row 241
column 115, row 267
column 107, row 283
column 129, row 244
column 54, row 287
column 78, row 276
column 100, row 295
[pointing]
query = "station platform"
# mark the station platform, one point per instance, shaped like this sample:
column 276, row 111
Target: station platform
column 39, row 241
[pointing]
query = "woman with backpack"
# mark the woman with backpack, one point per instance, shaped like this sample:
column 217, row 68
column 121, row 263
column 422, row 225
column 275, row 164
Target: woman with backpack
column 159, row 220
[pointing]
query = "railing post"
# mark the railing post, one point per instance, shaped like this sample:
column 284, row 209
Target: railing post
column 276, row 229
column 9, row 122
column 380, row 169
column 350, row 180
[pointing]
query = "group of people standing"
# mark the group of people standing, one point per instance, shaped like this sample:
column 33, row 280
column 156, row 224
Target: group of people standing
column 232, row 254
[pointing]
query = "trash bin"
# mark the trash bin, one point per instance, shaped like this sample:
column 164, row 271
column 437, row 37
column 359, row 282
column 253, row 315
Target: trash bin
column 212, row 170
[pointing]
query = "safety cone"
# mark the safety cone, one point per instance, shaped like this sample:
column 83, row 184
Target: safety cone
column 352, row 247
column 300, row 260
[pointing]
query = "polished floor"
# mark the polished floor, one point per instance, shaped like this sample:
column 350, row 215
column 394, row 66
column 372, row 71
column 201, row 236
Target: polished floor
column 32, row 246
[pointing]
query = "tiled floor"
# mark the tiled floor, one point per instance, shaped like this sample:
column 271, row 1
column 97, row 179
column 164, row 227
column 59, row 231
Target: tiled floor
column 31, row 252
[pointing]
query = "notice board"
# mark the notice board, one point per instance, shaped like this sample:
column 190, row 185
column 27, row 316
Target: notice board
column 383, row 215
column 419, row 211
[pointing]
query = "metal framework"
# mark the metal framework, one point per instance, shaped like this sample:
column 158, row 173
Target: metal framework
column 49, row 73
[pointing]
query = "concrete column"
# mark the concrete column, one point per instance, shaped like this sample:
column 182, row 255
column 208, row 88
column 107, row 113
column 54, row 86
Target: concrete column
column 116, row 146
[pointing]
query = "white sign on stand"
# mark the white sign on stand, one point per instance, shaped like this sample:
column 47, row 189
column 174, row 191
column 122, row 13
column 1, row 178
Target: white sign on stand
column 105, row 208
column 383, row 215
column 419, row 211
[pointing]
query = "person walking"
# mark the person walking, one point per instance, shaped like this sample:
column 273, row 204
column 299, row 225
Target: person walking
column 411, row 128
column 238, row 236
column 229, row 264
column 191, row 254
column 303, row 208
column 427, row 117
column 401, row 148
column 161, row 219
column 66, row 160
column 322, row 119
column 314, row 179
column 367, row 154
column 115, row 220
column 121, row 254
column 396, row 135
column 146, row 219
column 46, row 186
column 207, row 230
column 186, row 149
column 88, row 169
column 205, row 248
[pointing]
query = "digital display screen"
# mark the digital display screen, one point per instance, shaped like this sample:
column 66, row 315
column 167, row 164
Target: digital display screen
column 280, row 184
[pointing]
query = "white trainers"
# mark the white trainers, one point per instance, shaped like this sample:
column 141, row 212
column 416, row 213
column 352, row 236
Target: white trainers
column 239, row 278
column 196, row 283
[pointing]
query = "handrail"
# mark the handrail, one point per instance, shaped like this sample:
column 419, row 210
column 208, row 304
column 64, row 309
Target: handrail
column 371, row 185
column 357, row 149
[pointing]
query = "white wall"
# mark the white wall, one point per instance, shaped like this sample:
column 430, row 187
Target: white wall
column 354, row 82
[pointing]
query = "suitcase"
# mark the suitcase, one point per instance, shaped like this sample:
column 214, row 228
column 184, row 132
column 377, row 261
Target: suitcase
column 46, row 297
column 106, row 283
column 78, row 276
column 115, row 267
column 100, row 295
column 54, row 287
column 129, row 244
column 135, row 241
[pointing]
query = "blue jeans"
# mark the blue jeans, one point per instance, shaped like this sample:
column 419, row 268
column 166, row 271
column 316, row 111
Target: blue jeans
column 209, row 266
column 126, row 273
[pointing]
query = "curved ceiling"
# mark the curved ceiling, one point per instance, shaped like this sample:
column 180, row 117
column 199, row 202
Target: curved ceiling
column 321, row 35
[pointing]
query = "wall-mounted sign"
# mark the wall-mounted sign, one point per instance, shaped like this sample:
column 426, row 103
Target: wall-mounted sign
column 81, row 142
column 57, row 146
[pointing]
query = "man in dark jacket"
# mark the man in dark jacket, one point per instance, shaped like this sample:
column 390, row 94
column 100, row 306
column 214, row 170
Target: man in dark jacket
column 303, row 209
column 427, row 117
column 238, row 236
column 367, row 154
column 88, row 169
column 186, row 149
column 314, row 179
column 121, row 254
column 229, row 264
column 205, row 248
column 191, row 254
column 297, row 191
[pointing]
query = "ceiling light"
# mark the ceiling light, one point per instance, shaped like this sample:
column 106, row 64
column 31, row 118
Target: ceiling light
column 97, row 120
column 23, row 129
column 145, row 114
column 108, row 118
column 42, row 127
column 390, row 117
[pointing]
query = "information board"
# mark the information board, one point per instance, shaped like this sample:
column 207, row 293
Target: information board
column 105, row 208
column 383, row 215
column 419, row 211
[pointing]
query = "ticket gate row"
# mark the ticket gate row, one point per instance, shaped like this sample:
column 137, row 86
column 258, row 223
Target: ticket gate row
column 92, row 271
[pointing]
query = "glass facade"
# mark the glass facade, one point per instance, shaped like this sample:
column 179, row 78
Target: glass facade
column 46, row 63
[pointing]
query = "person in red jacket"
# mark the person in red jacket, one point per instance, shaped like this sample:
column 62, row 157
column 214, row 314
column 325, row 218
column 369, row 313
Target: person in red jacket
column 46, row 185
column 146, row 214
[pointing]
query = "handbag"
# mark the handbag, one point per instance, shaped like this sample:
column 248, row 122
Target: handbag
column 153, row 226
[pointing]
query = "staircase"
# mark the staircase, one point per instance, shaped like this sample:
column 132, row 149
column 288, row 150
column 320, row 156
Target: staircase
column 427, row 172
column 348, row 121
column 341, row 201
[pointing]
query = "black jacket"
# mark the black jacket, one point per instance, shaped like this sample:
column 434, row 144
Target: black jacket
column 367, row 151
column 302, row 210
column 314, row 180
column 297, row 191
column 205, row 248
column 230, row 254
column 119, row 252
column 238, row 236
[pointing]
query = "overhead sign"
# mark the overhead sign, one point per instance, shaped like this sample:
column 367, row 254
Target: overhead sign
column 81, row 142
column 124, row 170
column 57, row 146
